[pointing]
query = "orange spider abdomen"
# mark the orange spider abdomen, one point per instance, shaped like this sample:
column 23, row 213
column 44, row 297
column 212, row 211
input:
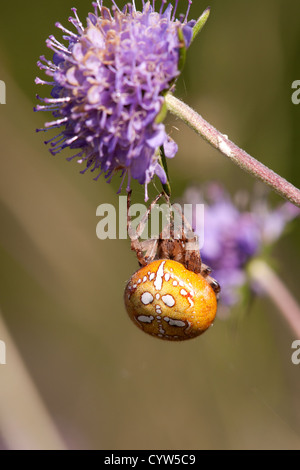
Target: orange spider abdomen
column 168, row 301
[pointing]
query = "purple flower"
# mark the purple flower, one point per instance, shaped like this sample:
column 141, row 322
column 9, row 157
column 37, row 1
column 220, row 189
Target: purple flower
column 109, row 84
column 235, row 233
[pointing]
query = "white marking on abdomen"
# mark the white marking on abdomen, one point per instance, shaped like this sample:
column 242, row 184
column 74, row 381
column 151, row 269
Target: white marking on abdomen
column 159, row 276
column 160, row 327
column 145, row 319
column 183, row 292
column 174, row 322
column 168, row 300
column 147, row 298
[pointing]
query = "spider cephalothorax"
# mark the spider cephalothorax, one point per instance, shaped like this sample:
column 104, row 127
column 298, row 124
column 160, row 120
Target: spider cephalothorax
column 172, row 295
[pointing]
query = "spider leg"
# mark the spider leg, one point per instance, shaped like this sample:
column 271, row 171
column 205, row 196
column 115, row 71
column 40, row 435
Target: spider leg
column 214, row 284
column 192, row 249
column 184, row 234
column 135, row 244
column 205, row 270
column 143, row 221
column 149, row 247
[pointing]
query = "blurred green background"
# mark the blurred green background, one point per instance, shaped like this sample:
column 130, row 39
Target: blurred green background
column 102, row 382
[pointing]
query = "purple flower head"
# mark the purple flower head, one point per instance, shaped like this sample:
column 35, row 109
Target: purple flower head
column 108, row 87
column 235, row 233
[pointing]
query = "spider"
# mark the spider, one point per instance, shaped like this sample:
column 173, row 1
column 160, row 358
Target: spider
column 172, row 296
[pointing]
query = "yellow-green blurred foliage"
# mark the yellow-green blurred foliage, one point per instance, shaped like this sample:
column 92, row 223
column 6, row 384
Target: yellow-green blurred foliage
column 106, row 384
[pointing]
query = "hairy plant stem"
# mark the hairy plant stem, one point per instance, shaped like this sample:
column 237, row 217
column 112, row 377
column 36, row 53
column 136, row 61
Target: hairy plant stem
column 272, row 285
column 231, row 150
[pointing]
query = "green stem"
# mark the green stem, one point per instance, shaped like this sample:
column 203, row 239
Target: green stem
column 163, row 162
column 231, row 150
